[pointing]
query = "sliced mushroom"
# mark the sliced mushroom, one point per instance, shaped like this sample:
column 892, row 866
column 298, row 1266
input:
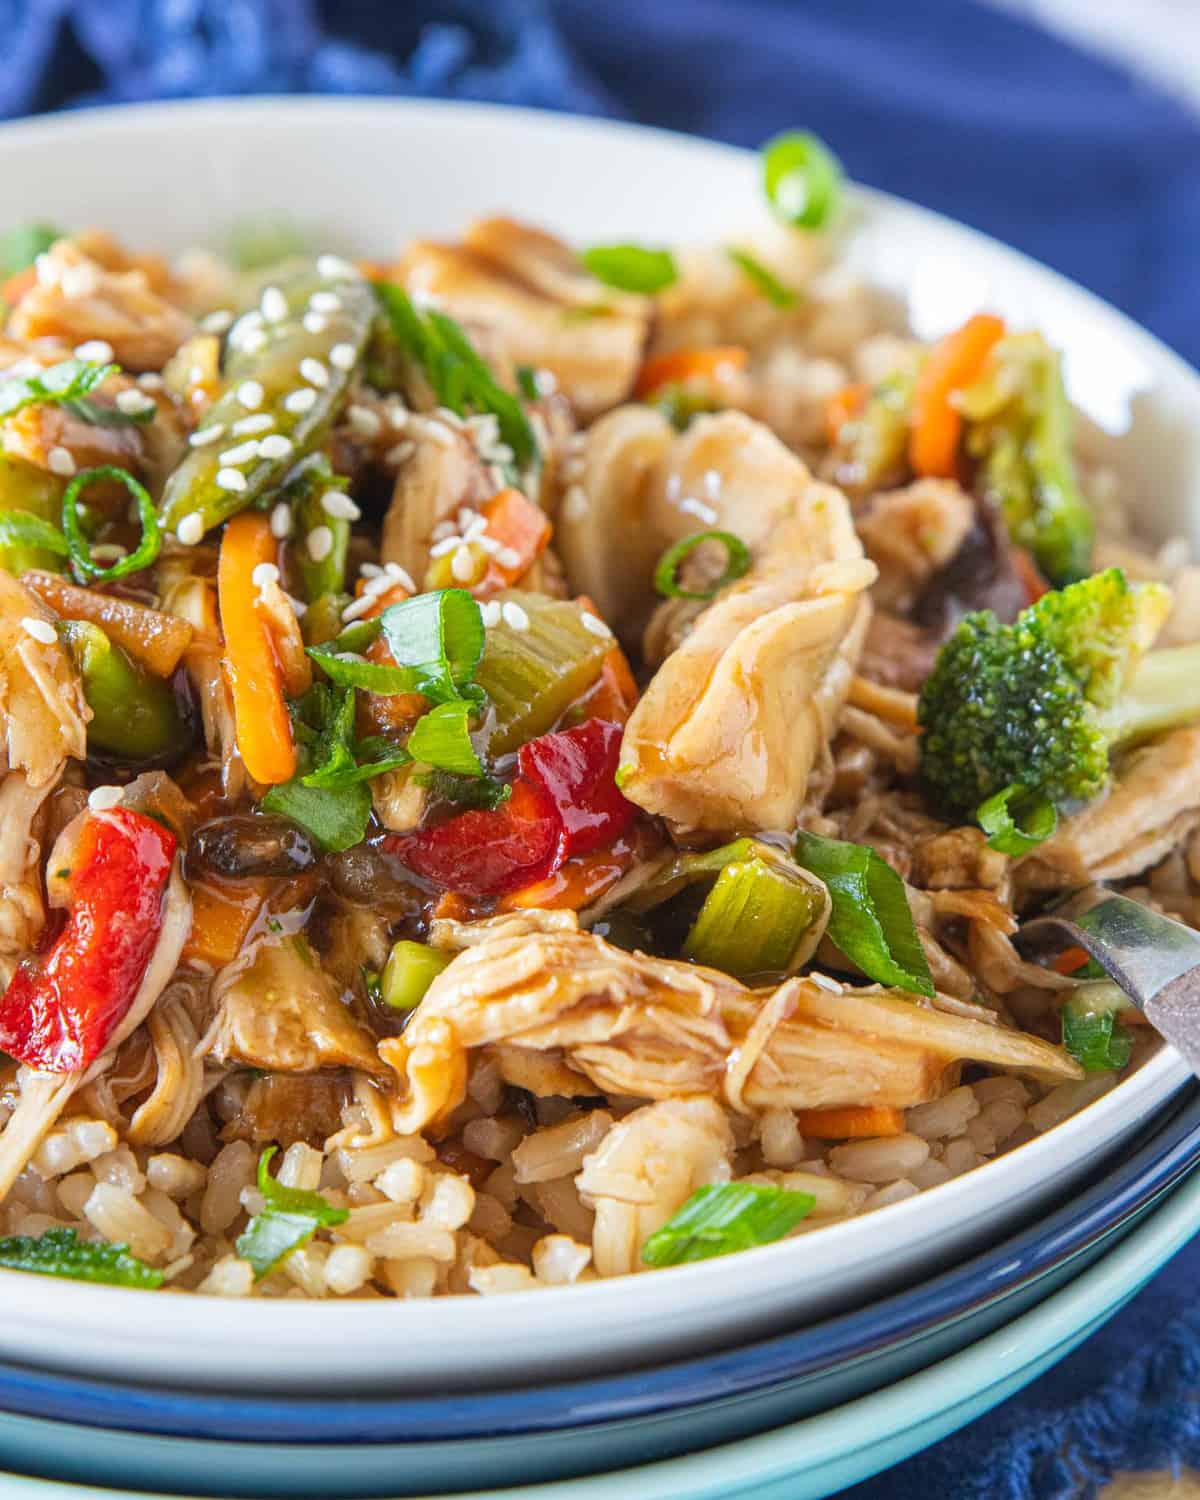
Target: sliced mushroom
column 529, row 301
column 656, row 1029
column 277, row 1009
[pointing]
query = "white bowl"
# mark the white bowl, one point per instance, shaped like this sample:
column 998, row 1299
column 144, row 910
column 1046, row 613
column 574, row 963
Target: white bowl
column 371, row 173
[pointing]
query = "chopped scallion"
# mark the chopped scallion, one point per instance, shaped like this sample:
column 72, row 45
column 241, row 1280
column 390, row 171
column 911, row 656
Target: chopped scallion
column 1092, row 1031
column 1015, row 820
column 737, row 562
column 631, row 268
column 60, row 1252
column 288, row 1219
column 802, row 179
column 766, row 281
column 442, row 739
column 62, row 384
column 21, row 528
column 719, row 1219
column 439, row 637
column 148, row 546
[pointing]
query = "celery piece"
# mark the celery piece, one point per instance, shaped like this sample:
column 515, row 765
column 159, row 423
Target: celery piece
column 756, row 918
column 410, row 970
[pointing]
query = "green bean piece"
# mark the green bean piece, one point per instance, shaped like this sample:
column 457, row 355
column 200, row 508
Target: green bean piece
column 290, row 358
column 23, row 487
column 134, row 715
column 321, row 559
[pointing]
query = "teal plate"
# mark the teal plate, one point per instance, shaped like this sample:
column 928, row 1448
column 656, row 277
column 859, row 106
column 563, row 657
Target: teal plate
column 802, row 1460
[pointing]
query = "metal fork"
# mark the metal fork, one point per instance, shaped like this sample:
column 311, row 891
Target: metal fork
column 1154, row 959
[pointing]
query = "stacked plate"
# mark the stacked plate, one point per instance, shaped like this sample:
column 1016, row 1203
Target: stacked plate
column 791, row 1370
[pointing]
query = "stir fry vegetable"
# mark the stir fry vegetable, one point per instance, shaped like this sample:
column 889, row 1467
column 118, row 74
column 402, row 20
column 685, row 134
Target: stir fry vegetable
column 60, row 1252
column 720, row 1219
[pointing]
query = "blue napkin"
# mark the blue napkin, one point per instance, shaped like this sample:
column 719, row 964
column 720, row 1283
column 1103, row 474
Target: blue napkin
column 948, row 102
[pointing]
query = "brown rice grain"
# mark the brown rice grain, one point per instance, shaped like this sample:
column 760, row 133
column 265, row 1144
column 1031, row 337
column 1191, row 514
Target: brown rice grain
column 880, row 1160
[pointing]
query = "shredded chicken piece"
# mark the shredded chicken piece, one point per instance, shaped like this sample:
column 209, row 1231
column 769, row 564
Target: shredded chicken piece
column 527, row 300
column 910, row 533
column 1152, row 805
column 77, row 298
column 194, row 600
column 44, row 1096
column 656, row 1028
column 442, row 474
column 645, row 1169
column 179, row 1081
column 22, row 913
column 731, row 726
column 278, row 1009
column 42, row 709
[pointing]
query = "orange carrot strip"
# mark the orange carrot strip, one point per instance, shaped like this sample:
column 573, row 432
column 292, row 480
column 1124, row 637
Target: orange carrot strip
column 841, row 406
column 855, row 1120
column 614, row 694
column 220, row 924
column 156, row 640
column 715, row 363
column 1069, row 960
column 950, row 365
column 264, row 731
column 523, row 531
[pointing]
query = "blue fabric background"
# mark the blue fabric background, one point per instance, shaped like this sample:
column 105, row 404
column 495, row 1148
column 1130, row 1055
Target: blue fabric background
column 947, row 102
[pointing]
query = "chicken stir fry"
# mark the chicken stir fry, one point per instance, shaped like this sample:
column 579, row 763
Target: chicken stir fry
column 522, row 763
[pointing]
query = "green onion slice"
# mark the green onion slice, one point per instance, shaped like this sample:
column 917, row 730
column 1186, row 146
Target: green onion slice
column 410, row 970
column 60, row 1252
column 67, row 381
column 80, row 548
column 767, row 283
column 22, row 245
column 289, row 1218
column 440, row 637
column 719, row 1219
column 738, row 560
column 1092, row 1031
column 802, row 179
column 763, row 916
column 1016, row 820
column 631, row 268
column 21, row 528
column 442, row 739
column 871, row 922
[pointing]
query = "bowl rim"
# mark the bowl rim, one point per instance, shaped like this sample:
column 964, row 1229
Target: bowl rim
column 1160, row 1075
column 1165, row 1151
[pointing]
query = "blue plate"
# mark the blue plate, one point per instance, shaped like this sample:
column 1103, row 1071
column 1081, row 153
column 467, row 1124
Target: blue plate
column 803, row 1460
column 575, row 1427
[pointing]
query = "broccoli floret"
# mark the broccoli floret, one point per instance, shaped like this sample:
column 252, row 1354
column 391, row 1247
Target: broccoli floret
column 1042, row 702
column 1020, row 431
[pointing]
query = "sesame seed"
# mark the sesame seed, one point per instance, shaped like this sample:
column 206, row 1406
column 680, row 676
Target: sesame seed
column 190, row 529
column 325, row 302
column 78, row 281
column 133, row 402
column 196, row 375
column 253, row 341
column 371, row 570
column 320, row 543
column 273, row 304
column 474, row 528
column 394, row 570
column 594, row 624
column 508, row 557
column 40, row 630
column 59, row 461
column 275, row 446
column 314, row 372
column 299, row 608
column 340, row 506
column 281, row 520
column 356, row 609
column 442, row 530
column 334, row 268
column 205, row 435
column 258, row 422
column 250, row 394
column 107, row 552
column 315, row 322
column 101, row 798
column 575, row 505
column 47, row 270
column 99, row 350
column 151, row 381
column 490, row 611
column 451, row 418
column 343, row 356
column 199, row 396
column 363, row 421
column 231, row 479
column 489, row 544
column 376, row 586
column 697, row 508
column 439, row 433
column 300, row 401
column 397, row 413
column 264, row 573
column 217, row 322
column 513, row 615
column 242, row 454
column 462, row 565
column 823, row 981
column 447, row 544
column 401, row 452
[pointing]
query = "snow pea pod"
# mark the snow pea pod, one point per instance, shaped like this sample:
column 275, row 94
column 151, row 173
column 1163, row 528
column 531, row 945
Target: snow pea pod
column 288, row 365
column 134, row 715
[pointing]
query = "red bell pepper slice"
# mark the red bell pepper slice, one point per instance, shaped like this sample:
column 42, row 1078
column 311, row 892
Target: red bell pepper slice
column 564, row 801
column 577, row 769
column 61, row 1008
